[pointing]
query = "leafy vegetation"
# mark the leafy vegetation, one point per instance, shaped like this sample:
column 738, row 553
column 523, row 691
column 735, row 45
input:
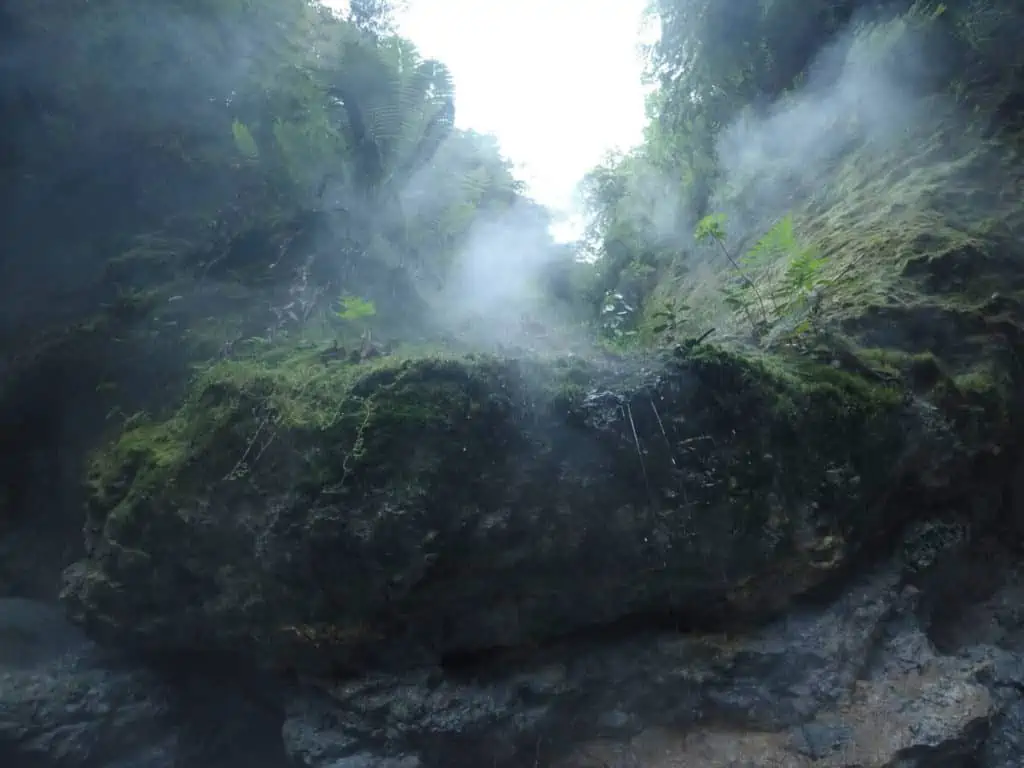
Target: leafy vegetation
column 198, row 189
column 237, row 165
column 355, row 308
column 809, row 168
column 186, row 182
column 798, row 265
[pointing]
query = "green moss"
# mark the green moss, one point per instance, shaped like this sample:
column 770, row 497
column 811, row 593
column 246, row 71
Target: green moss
column 287, row 422
column 981, row 382
column 393, row 491
column 795, row 429
column 342, row 420
column 798, row 401
column 920, row 372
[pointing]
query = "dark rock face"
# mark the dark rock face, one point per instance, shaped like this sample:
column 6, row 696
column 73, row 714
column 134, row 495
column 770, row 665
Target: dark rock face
column 63, row 702
column 40, row 489
column 851, row 684
column 578, row 693
column 427, row 509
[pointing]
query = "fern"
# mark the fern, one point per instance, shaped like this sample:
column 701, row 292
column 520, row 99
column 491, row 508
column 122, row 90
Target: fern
column 801, row 277
column 669, row 320
column 803, row 272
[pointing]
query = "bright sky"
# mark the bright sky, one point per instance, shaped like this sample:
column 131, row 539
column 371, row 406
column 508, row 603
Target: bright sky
column 557, row 81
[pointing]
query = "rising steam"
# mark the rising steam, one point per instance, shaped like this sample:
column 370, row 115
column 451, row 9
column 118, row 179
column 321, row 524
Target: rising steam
column 868, row 91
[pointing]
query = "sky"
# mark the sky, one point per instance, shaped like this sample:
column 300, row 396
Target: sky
column 557, row 81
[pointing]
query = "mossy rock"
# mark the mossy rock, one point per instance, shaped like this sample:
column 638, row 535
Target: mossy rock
column 312, row 515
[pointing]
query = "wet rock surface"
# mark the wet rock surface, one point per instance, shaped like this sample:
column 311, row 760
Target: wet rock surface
column 65, row 702
column 848, row 684
column 848, row 680
column 441, row 507
column 547, row 613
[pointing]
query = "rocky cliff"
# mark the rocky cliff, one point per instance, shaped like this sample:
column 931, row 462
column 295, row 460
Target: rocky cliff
column 702, row 557
column 797, row 547
column 706, row 557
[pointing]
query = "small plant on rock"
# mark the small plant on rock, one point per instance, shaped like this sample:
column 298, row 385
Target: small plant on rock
column 803, row 272
column 354, row 308
column 669, row 320
column 797, row 290
column 712, row 229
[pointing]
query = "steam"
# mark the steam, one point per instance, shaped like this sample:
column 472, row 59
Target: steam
column 870, row 91
column 500, row 266
column 868, row 135
column 497, row 294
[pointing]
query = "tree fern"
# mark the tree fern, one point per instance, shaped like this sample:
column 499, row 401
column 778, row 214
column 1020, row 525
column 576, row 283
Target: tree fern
column 430, row 99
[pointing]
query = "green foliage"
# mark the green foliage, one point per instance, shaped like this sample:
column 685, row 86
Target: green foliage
column 244, row 141
column 669, row 320
column 355, row 308
column 802, row 273
column 803, row 276
column 244, row 129
column 710, row 228
column 778, row 241
column 715, row 62
column 796, row 287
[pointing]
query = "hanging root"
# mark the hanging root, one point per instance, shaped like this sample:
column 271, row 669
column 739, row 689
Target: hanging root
column 640, row 453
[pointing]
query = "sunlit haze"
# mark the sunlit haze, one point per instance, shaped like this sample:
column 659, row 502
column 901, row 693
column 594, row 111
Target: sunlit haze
column 557, row 81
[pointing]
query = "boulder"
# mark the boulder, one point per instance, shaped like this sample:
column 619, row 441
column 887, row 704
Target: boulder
column 327, row 516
